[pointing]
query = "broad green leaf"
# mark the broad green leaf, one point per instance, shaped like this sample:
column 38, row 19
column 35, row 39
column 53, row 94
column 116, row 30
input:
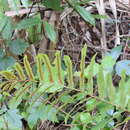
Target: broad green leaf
column 4, row 5
column 34, row 32
column 6, row 62
column 85, row 118
column 103, row 107
column 13, row 118
column 2, row 123
column 95, row 70
column 33, row 117
column 75, row 128
column 101, row 83
column 108, row 62
column 87, row 16
column 50, row 32
column 7, row 31
column 3, row 21
column 6, row 27
column 91, row 104
column 80, row 96
column 26, row 23
column 110, row 88
column 2, row 53
column 14, row 5
column 25, row 3
column 101, row 124
column 18, row 46
column 66, row 99
column 53, row 4
column 115, row 52
column 48, row 112
column 123, row 65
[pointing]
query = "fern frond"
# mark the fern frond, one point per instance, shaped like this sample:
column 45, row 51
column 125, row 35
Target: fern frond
column 68, row 63
column 48, row 66
column 8, row 75
column 90, row 77
column 20, row 71
column 58, row 67
column 110, row 88
column 39, row 67
column 82, row 66
column 28, row 69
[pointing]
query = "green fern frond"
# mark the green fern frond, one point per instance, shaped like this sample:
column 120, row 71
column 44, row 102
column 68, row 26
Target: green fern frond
column 58, row 67
column 82, row 66
column 39, row 67
column 8, row 75
column 20, row 71
column 48, row 66
column 28, row 69
column 68, row 63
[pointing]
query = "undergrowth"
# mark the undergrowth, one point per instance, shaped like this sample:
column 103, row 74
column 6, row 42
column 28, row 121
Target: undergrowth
column 53, row 91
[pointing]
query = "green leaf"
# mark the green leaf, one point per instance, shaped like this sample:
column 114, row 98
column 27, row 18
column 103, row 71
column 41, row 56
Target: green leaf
column 108, row 62
column 110, row 87
column 53, row 4
column 87, row 16
column 33, row 118
column 48, row 112
column 25, row 3
column 101, row 83
column 85, row 118
column 6, row 62
column 66, row 99
column 115, row 52
column 3, row 5
column 98, row 16
column 3, row 21
column 14, row 5
column 75, row 128
column 123, row 65
column 6, row 27
column 13, row 118
column 101, row 124
column 50, row 32
column 2, row 53
column 33, row 31
column 91, row 104
column 26, row 23
column 95, row 70
column 84, row 1
column 18, row 46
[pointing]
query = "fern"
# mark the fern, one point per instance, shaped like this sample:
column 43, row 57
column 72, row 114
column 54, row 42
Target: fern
column 54, row 89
